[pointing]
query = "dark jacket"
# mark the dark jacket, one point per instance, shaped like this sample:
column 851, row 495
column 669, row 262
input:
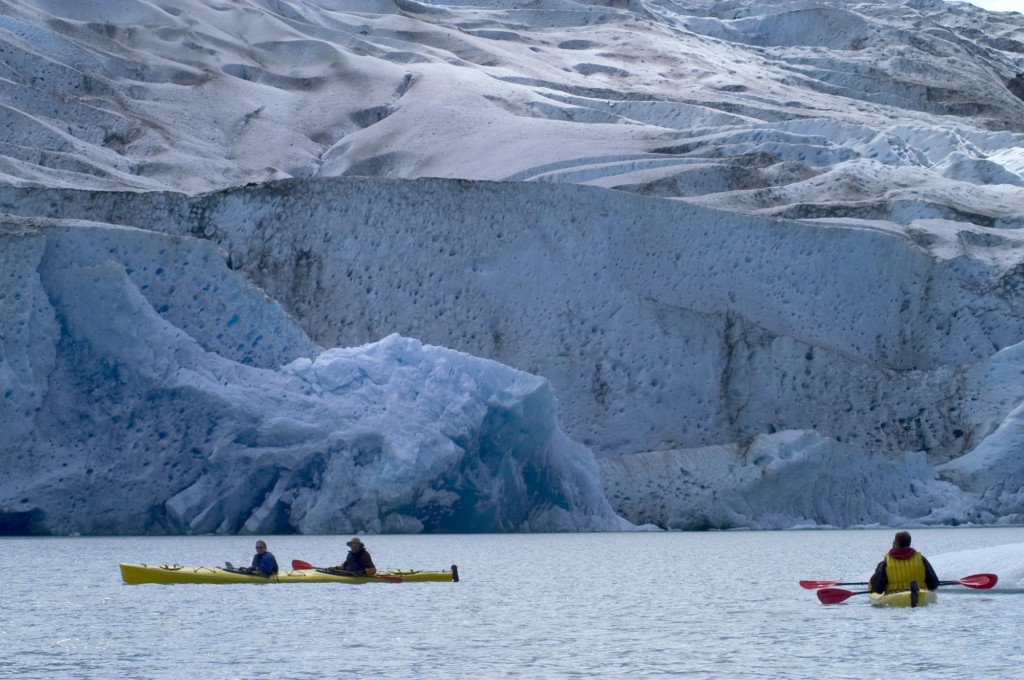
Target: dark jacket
column 358, row 562
column 265, row 564
column 880, row 579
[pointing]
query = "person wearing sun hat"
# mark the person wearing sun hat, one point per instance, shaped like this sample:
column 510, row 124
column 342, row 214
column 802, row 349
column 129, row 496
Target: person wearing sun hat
column 358, row 560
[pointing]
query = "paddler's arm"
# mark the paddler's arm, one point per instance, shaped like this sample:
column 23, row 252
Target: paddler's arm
column 931, row 580
column 879, row 580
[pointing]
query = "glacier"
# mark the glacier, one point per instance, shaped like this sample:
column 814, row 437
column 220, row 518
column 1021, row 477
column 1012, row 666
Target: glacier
column 324, row 266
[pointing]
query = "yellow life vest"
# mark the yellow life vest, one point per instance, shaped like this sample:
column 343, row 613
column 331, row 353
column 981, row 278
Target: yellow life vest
column 902, row 572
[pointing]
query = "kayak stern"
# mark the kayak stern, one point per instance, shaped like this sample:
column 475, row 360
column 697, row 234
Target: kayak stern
column 903, row 598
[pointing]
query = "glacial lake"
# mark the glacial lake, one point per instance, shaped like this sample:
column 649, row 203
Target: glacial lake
column 630, row 605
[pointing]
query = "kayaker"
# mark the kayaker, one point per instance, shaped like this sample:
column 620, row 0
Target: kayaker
column 902, row 565
column 358, row 560
column 263, row 562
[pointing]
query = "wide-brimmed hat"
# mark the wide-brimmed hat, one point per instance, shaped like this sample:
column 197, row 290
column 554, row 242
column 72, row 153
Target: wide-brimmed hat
column 354, row 542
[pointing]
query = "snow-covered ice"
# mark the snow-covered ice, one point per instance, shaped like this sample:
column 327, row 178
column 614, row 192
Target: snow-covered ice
column 1005, row 561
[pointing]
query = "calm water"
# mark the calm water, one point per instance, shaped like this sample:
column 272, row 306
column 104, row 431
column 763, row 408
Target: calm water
column 688, row 605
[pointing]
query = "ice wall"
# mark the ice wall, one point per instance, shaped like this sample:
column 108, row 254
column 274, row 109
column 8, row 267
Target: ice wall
column 659, row 324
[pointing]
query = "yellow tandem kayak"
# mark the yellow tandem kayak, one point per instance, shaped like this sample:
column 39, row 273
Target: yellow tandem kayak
column 176, row 573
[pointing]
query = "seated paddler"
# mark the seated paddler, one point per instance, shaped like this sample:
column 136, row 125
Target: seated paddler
column 901, row 566
column 263, row 562
column 358, row 561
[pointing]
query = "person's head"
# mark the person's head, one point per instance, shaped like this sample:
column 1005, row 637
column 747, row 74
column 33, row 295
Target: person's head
column 902, row 539
column 355, row 545
column 261, row 547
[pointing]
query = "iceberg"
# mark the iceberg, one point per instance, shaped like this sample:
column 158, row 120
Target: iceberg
column 156, row 391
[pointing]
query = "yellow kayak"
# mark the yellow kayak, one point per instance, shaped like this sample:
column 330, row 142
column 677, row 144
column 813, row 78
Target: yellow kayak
column 176, row 573
column 902, row 598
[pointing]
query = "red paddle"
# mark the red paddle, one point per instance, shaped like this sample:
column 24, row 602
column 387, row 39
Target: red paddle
column 980, row 581
column 299, row 565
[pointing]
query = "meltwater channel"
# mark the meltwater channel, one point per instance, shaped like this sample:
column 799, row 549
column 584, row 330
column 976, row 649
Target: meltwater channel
column 630, row 605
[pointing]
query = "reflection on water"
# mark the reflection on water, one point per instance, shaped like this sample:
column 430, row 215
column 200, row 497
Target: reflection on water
column 699, row 605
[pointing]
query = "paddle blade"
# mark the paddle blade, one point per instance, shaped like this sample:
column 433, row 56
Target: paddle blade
column 836, row 595
column 299, row 565
column 980, row 581
column 814, row 585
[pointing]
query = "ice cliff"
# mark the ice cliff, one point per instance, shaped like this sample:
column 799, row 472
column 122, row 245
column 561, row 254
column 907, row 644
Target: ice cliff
column 766, row 255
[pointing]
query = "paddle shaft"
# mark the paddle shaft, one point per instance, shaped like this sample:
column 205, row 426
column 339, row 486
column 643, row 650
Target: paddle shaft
column 978, row 581
column 342, row 572
column 300, row 565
